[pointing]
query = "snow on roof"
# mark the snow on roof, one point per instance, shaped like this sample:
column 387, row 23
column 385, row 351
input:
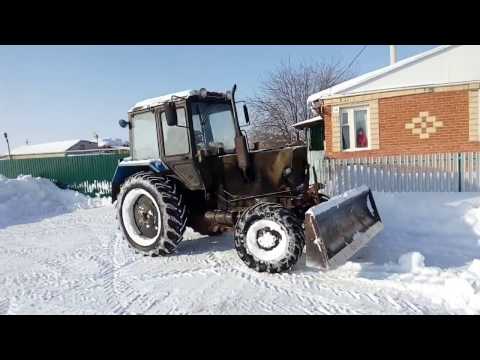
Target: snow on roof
column 46, row 148
column 342, row 87
column 161, row 99
column 306, row 123
column 110, row 142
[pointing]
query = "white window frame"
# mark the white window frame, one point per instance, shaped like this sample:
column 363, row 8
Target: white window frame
column 351, row 124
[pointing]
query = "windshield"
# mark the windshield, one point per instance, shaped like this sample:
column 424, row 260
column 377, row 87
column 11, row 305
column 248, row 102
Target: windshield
column 213, row 126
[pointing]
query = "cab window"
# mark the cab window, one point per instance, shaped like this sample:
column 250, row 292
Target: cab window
column 175, row 138
column 144, row 137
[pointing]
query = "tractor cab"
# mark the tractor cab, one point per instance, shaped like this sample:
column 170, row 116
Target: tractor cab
column 185, row 132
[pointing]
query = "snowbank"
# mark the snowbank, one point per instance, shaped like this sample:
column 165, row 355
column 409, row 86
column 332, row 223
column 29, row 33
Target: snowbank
column 27, row 199
column 430, row 245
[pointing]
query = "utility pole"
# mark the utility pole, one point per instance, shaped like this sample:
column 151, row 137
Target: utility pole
column 8, row 145
column 95, row 135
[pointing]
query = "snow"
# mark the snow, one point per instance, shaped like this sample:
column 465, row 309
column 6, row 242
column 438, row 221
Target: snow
column 344, row 86
column 61, row 253
column 411, row 262
column 46, row 148
column 144, row 104
column 26, row 199
column 335, row 201
column 110, row 142
column 306, row 123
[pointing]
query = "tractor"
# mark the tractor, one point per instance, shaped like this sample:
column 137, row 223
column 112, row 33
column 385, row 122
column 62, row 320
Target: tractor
column 191, row 164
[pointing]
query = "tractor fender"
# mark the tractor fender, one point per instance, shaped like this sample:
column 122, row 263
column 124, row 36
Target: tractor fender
column 127, row 168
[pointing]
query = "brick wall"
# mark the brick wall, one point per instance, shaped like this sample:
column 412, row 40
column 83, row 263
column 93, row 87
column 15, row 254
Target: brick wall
column 450, row 110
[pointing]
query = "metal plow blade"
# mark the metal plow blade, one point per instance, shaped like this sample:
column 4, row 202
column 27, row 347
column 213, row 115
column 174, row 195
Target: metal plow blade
column 335, row 230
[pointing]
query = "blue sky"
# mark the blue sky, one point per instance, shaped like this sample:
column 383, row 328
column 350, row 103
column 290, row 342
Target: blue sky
column 53, row 93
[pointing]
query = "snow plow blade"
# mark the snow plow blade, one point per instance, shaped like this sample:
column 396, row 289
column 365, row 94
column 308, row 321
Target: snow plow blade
column 335, row 230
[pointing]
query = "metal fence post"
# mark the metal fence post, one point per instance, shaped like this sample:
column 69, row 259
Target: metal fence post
column 459, row 172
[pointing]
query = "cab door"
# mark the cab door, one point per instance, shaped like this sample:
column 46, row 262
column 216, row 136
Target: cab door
column 176, row 151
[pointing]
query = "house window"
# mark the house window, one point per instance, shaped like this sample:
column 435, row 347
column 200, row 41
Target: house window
column 355, row 128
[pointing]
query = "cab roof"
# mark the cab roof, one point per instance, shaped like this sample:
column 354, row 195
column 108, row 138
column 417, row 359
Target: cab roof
column 156, row 101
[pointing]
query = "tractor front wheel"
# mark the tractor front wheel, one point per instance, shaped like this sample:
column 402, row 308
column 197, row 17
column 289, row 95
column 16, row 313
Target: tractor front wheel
column 151, row 213
column 269, row 238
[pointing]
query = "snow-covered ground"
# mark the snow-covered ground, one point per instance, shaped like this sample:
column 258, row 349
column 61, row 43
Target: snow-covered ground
column 61, row 252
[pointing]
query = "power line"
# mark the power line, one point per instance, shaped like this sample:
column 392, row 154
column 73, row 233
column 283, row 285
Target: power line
column 353, row 61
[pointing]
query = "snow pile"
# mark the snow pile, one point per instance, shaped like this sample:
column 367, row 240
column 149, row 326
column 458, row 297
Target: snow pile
column 26, row 199
column 454, row 288
column 109, row 142
column 430, row 245
column 472, row 218
column 411, row 262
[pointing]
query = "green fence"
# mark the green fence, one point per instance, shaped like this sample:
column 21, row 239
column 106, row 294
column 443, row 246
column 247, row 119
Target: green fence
column 88, row 174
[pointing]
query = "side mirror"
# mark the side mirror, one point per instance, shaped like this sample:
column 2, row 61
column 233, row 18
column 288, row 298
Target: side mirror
column 171, row 114
column 245, row 113
column 123, row 123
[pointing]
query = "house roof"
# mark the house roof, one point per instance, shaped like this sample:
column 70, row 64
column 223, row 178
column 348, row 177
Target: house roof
column 444, row 64
column 46, row 148
column 307, row 123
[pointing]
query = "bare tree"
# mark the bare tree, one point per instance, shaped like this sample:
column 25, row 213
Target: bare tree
column 282, row 101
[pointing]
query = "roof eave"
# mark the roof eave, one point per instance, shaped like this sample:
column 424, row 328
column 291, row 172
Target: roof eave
column 341, row 88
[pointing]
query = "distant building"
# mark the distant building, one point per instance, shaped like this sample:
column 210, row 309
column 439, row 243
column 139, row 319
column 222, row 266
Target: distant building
column 52, row 149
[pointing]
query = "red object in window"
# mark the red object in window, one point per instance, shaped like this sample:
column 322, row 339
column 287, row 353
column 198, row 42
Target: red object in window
column 361, row 139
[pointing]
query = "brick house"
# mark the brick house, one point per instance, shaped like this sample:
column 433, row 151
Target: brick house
column 427, row 103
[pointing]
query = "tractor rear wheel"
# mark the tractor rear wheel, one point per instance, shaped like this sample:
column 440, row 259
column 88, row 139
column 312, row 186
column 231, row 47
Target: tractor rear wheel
column 269, row 238
column 151, row 213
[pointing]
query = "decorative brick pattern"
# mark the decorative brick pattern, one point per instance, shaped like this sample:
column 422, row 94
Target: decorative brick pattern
column 424, row 125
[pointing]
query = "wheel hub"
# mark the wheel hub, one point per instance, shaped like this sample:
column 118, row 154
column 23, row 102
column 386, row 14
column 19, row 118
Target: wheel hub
column 267, row 238
column 145, row 216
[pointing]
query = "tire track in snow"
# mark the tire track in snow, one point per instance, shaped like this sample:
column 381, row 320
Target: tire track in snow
column 4, row 306
column 103, row 262
column 378, row 302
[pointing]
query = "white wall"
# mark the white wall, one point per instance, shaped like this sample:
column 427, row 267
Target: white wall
column 460, row 63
